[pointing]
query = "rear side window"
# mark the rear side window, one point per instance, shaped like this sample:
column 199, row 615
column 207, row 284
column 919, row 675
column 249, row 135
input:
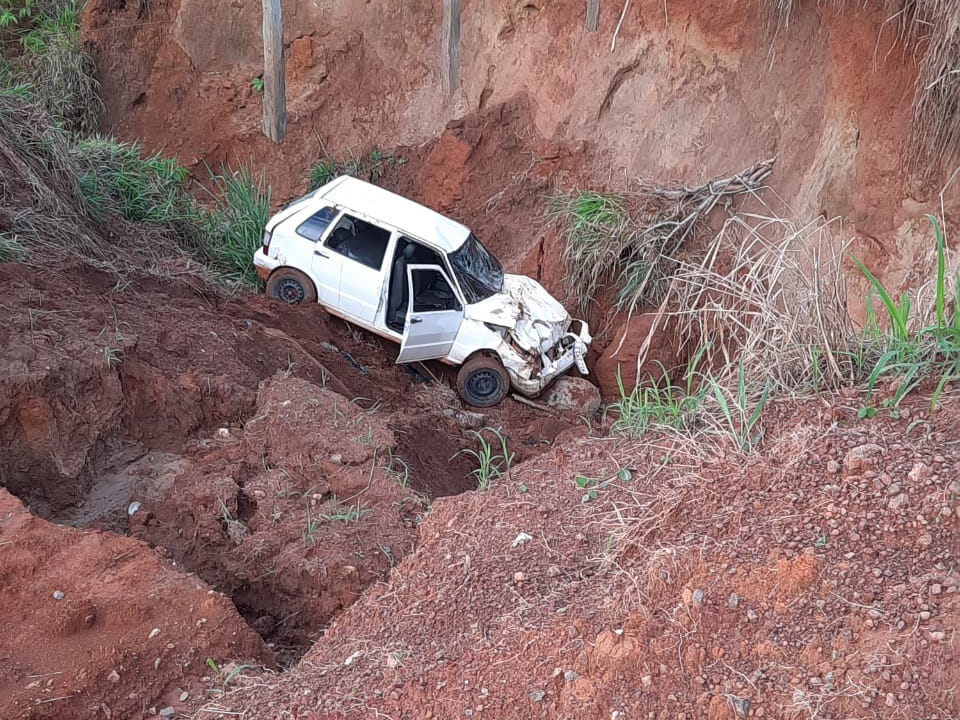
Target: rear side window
column 359, row 240
column 316, row 225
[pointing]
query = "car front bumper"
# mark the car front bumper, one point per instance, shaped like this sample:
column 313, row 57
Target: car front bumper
column 575, row 354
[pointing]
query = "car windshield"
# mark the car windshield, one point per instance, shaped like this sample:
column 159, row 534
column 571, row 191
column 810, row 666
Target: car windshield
column 478, row 272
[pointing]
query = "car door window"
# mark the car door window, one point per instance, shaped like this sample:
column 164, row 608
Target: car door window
column 432, row 291
column 359, row 240
column 314, row 226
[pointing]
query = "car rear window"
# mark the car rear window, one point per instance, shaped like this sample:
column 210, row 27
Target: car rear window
column 313, row 227
column 359, row 240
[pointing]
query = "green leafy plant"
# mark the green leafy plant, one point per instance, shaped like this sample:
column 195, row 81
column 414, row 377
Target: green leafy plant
column 908, row 352
column 493, row 459
column 257, row 85
column 741, row 415
column 659, row 403
column 235, row 222
column 345, row 513
column 225, row 679
column 590, row 486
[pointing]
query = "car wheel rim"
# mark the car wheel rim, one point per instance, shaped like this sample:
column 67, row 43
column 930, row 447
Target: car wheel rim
column 483, row 385
column 290, row 291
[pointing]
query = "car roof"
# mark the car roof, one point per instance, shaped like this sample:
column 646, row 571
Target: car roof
column 405, row 215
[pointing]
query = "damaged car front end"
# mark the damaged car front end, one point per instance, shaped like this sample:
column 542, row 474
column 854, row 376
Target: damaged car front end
column 538, row 339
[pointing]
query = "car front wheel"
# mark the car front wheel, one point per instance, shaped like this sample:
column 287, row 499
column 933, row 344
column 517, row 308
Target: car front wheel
column 291, row 286
column 483, row 381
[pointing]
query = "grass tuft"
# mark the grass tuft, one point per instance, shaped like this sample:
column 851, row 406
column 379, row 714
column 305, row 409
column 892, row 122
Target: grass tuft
column 235, row 223
column 370, row 167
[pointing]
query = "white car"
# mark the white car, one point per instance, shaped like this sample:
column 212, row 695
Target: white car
column 415, row 277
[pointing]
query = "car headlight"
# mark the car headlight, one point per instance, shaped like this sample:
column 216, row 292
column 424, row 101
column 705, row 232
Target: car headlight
column 267, row 235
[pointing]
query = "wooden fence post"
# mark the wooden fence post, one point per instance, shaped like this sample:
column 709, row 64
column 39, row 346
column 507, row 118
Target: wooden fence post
column 593, row 15
column 274, row 84
column 450, row 53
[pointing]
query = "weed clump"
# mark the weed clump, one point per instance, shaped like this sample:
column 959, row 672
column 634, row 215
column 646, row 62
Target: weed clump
column 369, row 167
column 53, row 70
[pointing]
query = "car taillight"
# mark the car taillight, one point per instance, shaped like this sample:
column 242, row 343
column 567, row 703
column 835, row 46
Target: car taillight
column 266, row 240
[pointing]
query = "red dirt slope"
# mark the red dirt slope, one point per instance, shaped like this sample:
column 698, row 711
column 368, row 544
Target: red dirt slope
column 130, row 631
column 815, row 579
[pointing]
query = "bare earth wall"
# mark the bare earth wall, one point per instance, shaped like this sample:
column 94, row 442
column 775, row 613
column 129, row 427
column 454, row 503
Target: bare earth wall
column 693, row 89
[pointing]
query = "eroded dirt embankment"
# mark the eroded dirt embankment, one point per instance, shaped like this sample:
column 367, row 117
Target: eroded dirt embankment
column 690, row 91
column 813, row 579
column 275, row 453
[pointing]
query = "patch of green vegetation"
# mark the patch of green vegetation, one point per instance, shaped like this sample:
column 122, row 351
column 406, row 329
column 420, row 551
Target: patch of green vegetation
column 118, row 178
column 370, row 167
column 596, row 227
column 914, row 348
column 493, row 459
column 233, row 226
column 53, row 70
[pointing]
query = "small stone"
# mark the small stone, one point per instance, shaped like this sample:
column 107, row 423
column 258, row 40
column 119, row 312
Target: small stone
column 537, row 695
column 167, row 713
column 734, row 601
column 752, row 615
column 114, row 676
column 646, row 680
column 926, row 540
column 573, row 394
column 518, row 577
column 833, row 467
column 223, row 433
column 938, row 636
column 741, row 706
column 58, row 595
column 184, row 695
column 698, row 597
column 898, row 501
column 936, row 589
column 153, row 633
column 570, row 675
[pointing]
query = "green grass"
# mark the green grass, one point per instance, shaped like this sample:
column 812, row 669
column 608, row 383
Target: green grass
column 595, row 227
column 370, row 167
column 913, row 349
column 234, row 224
column 54, row 70
column 493, row 459
column 653, row 404
column 116, row 177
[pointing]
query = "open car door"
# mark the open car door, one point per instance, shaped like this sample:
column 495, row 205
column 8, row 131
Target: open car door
column 434, row 315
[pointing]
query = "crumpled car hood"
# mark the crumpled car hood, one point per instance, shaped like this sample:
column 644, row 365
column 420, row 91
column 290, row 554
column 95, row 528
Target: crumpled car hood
column 524, row 306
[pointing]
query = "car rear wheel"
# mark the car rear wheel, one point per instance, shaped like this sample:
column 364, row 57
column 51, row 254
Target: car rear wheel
column 483, row 381
column 291, row 286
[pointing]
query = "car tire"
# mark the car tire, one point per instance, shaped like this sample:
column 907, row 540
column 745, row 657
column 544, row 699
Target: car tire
column 483, row 381
column 291, row 286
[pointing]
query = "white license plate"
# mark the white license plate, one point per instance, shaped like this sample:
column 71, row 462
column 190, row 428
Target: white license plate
column 578, row 351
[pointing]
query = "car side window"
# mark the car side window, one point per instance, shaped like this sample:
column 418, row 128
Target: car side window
column 432, row 292
column 359, row 240
column 314, row 226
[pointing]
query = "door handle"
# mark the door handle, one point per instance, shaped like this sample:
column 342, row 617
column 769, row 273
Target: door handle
column 323, row 255
column 414, row 321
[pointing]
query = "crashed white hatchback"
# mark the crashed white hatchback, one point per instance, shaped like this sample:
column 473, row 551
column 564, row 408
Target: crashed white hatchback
column 396, row 268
